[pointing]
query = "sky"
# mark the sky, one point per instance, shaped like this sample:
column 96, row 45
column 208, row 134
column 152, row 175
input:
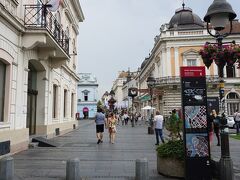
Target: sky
column 119, row 34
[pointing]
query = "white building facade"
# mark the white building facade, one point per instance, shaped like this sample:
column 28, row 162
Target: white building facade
column 87, row 95
column 38, row 60
column 177, row 45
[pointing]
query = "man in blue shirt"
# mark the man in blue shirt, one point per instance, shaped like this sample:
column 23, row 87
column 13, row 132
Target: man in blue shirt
column 100, row 121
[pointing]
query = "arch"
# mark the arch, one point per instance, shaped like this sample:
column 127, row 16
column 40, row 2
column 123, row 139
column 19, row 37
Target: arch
column 56, row 81
column 5, row 46
column 37, row 65
column 232, row 101
column 232, row 95
column 37, row 83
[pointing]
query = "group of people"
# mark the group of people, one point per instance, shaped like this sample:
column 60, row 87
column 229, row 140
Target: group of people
column 214, row 121
column 109, row 122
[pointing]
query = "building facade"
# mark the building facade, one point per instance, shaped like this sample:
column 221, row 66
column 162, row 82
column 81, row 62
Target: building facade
column 177, row 45
column 38, row 60
column 87, row 95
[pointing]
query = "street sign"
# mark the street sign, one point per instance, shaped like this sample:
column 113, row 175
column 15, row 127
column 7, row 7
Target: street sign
column 196, row 135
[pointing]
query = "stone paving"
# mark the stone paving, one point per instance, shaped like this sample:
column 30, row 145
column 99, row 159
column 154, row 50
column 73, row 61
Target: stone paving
column 101, row 162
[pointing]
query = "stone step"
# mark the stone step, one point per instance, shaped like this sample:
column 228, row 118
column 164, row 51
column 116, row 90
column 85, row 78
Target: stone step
column 43, row 142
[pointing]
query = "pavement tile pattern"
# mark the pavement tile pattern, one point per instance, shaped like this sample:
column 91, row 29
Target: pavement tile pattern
column 105, row 161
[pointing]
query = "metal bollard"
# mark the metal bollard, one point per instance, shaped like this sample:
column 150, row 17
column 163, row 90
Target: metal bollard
column 7, row 168
column 73, row 169
column 142, row 169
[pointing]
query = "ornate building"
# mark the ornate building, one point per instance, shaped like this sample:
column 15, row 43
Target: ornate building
column 38, row 80
column 87, row 95
column 178, row 45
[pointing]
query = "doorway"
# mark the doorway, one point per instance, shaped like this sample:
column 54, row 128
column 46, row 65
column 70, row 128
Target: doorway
column 85, row 113
column 32, row 99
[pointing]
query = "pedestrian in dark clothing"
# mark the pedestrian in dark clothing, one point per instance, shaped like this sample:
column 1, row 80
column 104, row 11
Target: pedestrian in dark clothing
column 210, row 128
column 237, row 121
column 100, row 121
column 216, row 125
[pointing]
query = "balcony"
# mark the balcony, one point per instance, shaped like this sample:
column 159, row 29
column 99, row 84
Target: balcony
column 44, row 32
column 174, row 80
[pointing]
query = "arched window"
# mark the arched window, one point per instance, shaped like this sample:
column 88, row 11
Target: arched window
column 233, row 102
column 2, row 89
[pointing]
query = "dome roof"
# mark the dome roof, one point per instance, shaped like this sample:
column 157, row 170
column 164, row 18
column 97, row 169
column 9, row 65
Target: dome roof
column 184, row 18
column 144, row 63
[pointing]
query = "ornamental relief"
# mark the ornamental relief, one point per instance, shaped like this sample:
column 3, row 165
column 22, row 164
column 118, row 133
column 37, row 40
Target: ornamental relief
column 10, row 6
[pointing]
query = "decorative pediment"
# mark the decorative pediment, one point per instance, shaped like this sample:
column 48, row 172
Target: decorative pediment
column 85, row 91
column 191, row 52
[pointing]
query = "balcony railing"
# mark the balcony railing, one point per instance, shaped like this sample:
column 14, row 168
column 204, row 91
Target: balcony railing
column 39, row 17
column 177, row 79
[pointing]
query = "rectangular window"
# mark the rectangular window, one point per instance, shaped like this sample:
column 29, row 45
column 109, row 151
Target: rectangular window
column 191, row 62
column 231, row 108
column 230, row 71
column 54, row 101
column 65, row 103
column 85, row 96
column 72, row 105
column 2, row 89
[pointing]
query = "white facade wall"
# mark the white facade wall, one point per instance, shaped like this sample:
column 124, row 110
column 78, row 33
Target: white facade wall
column 87, row 85
column 20, row 47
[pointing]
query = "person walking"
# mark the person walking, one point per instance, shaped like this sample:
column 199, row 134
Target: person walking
column 126, row 118
column 216, row 125
column 158, row 122
column 237, row 120
column 100, row 121
column 210, row 127
column 112, row 121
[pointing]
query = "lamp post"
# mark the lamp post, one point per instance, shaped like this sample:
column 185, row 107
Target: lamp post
column 219, row 14
column 111, row 101
column 151, row 84
column 132, row 92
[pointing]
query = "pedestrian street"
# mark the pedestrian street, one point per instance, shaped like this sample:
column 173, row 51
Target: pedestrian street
column 99, row 161
column 103, row 161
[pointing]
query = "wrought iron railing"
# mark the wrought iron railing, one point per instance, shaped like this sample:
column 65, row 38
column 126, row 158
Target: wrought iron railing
column 177, row 79
column 40, row 17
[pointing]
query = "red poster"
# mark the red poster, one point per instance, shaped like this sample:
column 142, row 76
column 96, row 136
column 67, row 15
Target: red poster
column 192, row 71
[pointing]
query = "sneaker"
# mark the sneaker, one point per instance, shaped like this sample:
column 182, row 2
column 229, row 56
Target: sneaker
column 98, row 141
column 218, row 144
column 157, row 144
column 101, row 141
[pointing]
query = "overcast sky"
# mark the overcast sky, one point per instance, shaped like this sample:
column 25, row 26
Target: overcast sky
column 117, row 34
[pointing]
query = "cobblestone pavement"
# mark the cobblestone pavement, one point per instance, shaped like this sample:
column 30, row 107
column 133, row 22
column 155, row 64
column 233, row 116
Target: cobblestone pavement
column 98, row 162
column 103, row 161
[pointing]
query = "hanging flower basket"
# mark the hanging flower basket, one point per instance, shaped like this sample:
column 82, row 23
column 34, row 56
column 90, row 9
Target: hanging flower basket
column 227, row 54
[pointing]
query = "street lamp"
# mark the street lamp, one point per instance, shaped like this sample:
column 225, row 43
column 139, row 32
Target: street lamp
column 111, row 101
column 219, row 14
column 151, row 84
column 132, row 92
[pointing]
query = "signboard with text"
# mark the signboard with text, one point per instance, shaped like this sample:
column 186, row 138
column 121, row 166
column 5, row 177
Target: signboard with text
column 196, row 137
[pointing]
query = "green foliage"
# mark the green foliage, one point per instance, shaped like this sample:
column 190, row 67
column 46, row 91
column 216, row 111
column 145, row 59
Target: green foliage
column 99, row 104
column 175, row 126
column 171, row 149
column 235, row 137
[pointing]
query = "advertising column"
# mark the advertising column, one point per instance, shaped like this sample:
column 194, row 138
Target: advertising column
column 196, row 137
